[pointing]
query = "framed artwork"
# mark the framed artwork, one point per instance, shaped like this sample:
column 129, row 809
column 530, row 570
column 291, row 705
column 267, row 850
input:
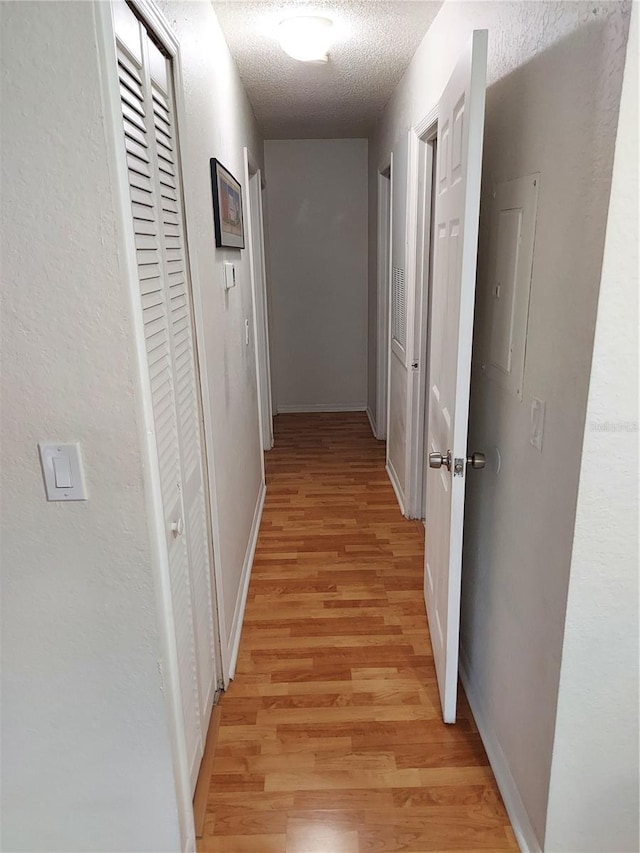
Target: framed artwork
column 227, row 207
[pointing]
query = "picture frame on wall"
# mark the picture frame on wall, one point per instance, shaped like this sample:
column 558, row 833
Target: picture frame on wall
column 228, row 215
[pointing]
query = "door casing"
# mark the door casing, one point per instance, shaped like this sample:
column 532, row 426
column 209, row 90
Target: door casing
column 385, row 195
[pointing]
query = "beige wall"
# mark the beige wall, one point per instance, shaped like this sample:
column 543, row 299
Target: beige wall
column 554, row 77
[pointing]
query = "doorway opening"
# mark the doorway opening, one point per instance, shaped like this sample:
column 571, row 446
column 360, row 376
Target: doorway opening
column 255, row 183
column 425, row 158
column 384, row 296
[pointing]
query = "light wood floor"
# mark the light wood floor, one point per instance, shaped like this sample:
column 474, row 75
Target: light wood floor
column 331, row 739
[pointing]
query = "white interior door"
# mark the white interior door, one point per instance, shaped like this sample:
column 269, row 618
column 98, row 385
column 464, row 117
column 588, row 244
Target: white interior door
column 255, row 223
column 151, row 145
column 185, row 377
column 456, row 209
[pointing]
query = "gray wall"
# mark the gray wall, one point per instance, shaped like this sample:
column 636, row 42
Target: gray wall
column 317, row 220
column 554, row 77
column 593, row 795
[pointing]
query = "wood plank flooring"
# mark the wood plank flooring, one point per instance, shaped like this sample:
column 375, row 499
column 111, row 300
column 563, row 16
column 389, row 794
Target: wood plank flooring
column 331, row 739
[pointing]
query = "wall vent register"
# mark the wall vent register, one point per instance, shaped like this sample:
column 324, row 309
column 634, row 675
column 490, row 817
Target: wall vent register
column 398, row 307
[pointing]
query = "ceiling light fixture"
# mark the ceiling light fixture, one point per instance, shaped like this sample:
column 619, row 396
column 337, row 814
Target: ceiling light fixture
column 306, row 38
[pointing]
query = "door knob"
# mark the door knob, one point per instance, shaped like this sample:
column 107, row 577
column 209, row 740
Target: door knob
column 177, row 527
column 437, row 460
column 476, row 460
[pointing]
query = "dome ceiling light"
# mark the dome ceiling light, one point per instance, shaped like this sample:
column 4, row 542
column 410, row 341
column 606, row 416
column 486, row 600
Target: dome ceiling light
column 306, row 38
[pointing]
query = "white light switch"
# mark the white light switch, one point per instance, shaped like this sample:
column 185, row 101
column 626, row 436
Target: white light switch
column 229, row 275
column 537, row 423
column 62, row 471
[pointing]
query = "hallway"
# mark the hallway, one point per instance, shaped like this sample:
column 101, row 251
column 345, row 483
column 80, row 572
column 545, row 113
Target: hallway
column 331, row 738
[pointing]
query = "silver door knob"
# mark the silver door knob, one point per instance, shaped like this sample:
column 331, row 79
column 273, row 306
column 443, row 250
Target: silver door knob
column 437, row 460
column 476, row 460
column 177, row 527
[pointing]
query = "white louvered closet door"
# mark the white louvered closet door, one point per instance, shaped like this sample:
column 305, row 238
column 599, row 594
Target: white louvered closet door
column 184, row 372
column 154, row 183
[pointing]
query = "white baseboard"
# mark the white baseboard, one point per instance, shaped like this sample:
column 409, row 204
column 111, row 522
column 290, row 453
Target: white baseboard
column 372, row 421
column 238, row 616
column 396, row 485
column 525, row 834
column 308, row 408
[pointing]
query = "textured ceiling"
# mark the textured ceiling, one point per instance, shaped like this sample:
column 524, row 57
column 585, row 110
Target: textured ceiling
column 342, row 98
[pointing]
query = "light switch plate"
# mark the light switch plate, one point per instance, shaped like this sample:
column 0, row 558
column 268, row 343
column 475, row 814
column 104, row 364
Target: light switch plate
column 62, row 471
column 229, row 275
column 538, row 408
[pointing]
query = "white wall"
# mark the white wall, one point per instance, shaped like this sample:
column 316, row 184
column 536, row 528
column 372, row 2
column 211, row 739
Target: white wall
column 86, row 759
column 87, row 762
column 219, row 123
column 554, row 76
column 593, row 795
column 317, row 219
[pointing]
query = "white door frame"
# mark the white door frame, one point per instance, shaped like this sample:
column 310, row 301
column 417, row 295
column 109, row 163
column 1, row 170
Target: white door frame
column 269, row 303
column 106, row 44
column 419, row 192
column 385, row 223
column 257, row 269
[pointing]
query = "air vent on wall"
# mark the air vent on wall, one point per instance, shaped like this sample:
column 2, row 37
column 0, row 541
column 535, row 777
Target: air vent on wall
column 398, row 315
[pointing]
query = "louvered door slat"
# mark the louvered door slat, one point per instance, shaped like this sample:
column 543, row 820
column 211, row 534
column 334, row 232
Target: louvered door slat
column 142, row 211
column 144, row 226
column 130, row 99
column 132, row 84
column 133, row 131
column 169, row 206
column 133, row 117
column 163, row 126
column 137, row 149
column 168, row 192
column 129, row 61
column 143, row 198
column 151, row 299
column 164, row 147
column 150, row 272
